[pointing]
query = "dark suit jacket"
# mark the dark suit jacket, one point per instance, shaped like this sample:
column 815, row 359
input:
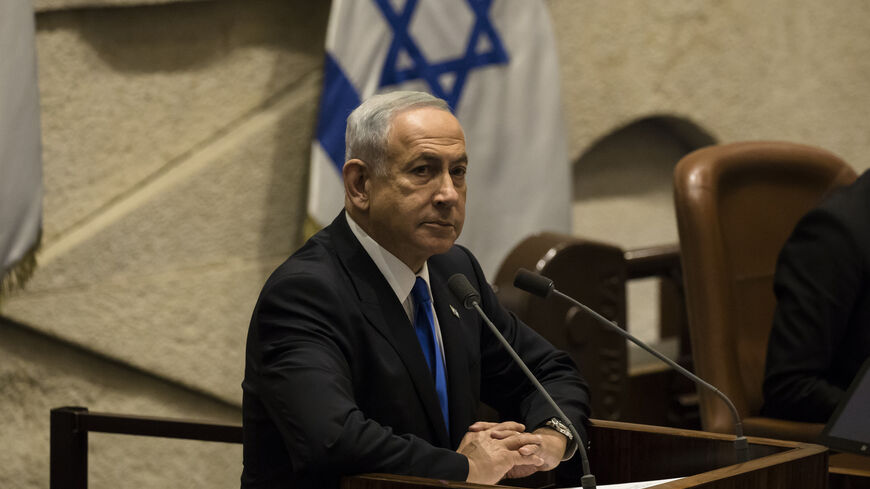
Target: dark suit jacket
column 336, row 382
column 821, row 328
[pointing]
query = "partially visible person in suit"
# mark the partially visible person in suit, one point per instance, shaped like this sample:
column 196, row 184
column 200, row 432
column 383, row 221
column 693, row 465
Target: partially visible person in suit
column 821, row 328
column 359, row 359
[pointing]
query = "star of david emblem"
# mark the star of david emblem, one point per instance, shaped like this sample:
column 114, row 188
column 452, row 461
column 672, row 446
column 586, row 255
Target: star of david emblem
column 484, row 48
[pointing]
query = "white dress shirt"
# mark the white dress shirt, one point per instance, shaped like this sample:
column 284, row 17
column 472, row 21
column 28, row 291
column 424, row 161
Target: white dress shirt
column 398, row 275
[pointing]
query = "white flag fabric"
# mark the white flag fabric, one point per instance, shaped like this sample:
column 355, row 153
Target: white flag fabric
column 495, row 63
column 20, row 147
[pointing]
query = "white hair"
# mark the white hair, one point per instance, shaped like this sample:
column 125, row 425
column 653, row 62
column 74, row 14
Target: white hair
column 369, row 125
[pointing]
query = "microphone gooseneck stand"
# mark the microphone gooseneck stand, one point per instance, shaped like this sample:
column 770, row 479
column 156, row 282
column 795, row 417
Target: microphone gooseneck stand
column 466, row 293
column 543, row 286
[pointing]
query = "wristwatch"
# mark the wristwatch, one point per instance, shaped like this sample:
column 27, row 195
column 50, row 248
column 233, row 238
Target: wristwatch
column 558, row 425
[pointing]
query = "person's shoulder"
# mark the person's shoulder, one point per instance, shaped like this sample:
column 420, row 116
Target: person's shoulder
column 849, row 200
column 458, row 259
column 836, row 228
column 457, row 255
column 846, row 208
column 314, row 262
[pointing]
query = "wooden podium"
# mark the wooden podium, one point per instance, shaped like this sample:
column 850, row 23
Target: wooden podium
column 625, row 452
column 619, row 452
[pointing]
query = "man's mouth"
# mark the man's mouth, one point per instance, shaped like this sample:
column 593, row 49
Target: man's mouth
column 439, row 223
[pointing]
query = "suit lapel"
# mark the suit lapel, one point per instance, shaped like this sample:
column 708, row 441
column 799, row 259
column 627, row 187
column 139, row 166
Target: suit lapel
column 383, row 310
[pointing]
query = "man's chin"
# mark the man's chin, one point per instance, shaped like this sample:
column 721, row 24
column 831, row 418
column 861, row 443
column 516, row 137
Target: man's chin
column 439, row 246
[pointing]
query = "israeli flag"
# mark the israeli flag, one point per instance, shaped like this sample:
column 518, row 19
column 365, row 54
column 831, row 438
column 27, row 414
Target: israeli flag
column 20, row 146
column 494, row 62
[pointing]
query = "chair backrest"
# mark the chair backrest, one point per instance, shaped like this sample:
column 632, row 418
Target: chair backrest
column 736, row 205
column 594, row 273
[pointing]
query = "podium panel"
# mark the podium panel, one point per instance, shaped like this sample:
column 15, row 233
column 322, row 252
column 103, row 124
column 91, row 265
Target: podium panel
column 626, row 452
column 619, row 452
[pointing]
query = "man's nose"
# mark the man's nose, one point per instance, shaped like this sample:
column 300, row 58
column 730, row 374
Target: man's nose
column 446, row 195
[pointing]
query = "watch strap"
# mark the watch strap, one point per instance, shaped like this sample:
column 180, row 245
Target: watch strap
column 558, row 425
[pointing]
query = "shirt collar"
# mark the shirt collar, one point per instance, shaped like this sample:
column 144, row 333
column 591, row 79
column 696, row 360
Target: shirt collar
column 398, row 275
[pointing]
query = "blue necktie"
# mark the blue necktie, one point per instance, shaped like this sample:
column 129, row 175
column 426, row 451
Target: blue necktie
column 424, row 325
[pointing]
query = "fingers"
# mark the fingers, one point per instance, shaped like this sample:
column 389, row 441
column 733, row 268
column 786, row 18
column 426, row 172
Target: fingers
column 526, row 450
column 503, row 426
column 502, row 434
column 521, row 439
column 525, row 443
column 552, row 447
column 480, row 426
column 533, row 462
column 521, row 471
column 497, row 449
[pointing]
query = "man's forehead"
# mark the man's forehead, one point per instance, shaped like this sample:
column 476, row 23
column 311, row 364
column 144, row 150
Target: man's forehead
column 451, row 150
column 436, row 125
column 424, row 118
column 419, row 131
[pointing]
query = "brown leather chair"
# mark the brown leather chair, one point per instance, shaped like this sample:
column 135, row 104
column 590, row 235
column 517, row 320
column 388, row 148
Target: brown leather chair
column 736, row 205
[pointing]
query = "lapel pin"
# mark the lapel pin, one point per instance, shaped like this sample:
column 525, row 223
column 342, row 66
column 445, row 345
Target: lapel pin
column 455, row 312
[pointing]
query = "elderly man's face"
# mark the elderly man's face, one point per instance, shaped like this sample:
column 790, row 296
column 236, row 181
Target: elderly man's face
column 417, row 210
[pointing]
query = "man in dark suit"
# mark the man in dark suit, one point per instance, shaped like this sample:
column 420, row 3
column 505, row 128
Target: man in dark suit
column 821, row 328
column 360, row 360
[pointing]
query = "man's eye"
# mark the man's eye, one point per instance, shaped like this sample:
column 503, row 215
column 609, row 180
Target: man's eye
column 420, row 170
column 459, row 171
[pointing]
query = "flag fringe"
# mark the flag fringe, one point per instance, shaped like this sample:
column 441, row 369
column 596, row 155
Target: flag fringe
column 17, row 276
column 310, row 227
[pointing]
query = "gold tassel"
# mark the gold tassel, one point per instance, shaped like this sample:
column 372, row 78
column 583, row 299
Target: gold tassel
column 310, row 228
column 17, row 276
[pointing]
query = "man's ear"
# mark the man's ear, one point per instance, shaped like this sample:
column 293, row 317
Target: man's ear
column 356, row 176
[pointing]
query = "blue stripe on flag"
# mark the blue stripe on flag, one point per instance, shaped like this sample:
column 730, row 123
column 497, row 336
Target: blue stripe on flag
column 338, row 100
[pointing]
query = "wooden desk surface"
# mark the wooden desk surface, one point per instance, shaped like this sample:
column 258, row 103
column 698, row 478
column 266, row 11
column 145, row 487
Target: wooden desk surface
column 849, row 463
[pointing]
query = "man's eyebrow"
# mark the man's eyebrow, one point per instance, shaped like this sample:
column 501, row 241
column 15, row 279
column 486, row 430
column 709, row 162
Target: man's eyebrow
column 426, row 156
column 435, row 158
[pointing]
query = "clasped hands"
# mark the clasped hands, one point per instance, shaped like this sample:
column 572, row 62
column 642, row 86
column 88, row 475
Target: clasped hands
column 499, row 450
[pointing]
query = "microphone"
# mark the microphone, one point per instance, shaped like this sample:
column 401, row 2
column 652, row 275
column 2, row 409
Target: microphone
column 466, row 293
column 533, row 283
column 542, row 287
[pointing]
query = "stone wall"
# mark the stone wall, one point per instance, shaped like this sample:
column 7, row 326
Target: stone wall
column 176, row 139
